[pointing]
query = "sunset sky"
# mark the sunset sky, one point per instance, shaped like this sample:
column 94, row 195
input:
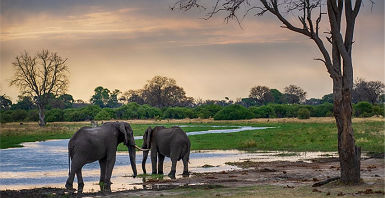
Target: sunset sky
column 121, row 44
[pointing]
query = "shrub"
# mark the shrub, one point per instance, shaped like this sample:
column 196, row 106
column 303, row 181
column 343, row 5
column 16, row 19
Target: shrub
column 73, row 115
column 6, row 116
column 322, row 110
column 54, row 115
column 179, row 113
column 234, row 112
column 207, row 110
column 146, row 112
column 89, row 112
column 263, row 111
column 19, row 115
column 378, row 110
column 303, row 113
column 105, row 114
column 363, row 109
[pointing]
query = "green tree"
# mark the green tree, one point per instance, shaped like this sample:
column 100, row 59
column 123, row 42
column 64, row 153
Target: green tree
column 162, row 91
column 5, row 102
column 100, row 97
column 24, row 102
column 294, row 94
column 277, row 95
column 261, row 94
column 327, row 98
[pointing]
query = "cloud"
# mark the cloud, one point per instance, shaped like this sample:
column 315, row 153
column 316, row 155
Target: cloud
column 121, row 44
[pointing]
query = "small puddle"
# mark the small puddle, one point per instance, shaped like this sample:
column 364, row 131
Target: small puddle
column 45, row 164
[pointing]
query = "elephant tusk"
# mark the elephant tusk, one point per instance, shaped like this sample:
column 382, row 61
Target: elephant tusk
column 141, row 148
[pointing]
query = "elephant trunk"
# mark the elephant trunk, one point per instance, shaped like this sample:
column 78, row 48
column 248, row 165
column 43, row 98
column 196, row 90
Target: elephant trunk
column 145, row 154
column 132, row 153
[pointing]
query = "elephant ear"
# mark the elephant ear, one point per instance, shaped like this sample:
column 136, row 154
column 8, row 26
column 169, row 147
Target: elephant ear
column 122, row 129
column 148, row 138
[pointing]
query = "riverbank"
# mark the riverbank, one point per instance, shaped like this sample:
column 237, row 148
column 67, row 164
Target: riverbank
column 256, row 179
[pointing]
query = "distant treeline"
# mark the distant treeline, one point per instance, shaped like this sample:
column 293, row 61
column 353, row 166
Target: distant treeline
column 230, row 112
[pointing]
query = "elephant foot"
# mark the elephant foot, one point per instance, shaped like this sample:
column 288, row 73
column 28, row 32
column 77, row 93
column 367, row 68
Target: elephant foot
column 153, row 172
column 69, row 186
column 80, row 187
column 172, row 174
column 185, row 174
column 160, row 172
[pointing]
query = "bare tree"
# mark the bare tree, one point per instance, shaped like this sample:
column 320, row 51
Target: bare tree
column 338, row 60
column 295, row 94
column 40, row 76
column 367, row 90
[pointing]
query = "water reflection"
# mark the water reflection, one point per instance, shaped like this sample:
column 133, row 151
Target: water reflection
column 45, row 164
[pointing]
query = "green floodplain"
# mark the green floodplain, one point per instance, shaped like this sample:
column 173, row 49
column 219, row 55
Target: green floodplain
column 287, row 134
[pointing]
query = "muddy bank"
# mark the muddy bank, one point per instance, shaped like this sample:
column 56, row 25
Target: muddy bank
column 284, row 175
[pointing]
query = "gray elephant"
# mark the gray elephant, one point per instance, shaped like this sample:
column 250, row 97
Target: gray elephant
column 100, row 143
column 166, row 142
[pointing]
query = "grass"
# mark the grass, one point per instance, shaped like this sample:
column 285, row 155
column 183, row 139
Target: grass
column 293, row 137
column 286, row 136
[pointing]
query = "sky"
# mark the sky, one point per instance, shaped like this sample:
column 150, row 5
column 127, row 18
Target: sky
column 121, row 44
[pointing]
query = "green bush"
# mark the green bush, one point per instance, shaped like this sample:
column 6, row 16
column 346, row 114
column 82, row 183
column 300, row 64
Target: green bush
column 322, row 110
column 234, row 112
column 207, row 110
column 104, row 114
column 19, row 115
column 89, row 112
column 379, row 110
column 6, row 116
column 128, row 111
column 147, row 112
column 303, row 113
column 363, row 109
column 54, row 115
column 265, row 111
column 179, row 113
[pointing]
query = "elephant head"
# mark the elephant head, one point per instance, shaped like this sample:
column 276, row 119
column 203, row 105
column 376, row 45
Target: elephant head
column 129, row 141
column 146, row 145
column 148, row 138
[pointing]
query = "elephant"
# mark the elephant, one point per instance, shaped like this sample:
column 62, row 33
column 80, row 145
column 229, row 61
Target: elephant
column 89, row 144
column 166, row 142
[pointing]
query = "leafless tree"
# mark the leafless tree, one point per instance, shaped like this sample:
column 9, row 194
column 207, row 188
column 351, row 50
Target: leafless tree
column 338, row 60
column 39, row 76
column 367, row 90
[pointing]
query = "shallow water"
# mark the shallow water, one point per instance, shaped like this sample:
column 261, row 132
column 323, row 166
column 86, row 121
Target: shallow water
column 45, row 164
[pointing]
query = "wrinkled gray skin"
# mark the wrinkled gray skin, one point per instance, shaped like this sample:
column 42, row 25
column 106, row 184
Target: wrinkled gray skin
column 166, row 142
column 100, row 143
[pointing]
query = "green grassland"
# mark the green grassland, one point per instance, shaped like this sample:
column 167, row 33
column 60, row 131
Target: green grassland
column 285, row 136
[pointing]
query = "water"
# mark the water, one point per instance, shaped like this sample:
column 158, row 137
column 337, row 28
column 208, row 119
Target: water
column 45, row 164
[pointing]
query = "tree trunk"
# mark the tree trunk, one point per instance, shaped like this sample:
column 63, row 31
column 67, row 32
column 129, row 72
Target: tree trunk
column 41, row 116
column 349, row 154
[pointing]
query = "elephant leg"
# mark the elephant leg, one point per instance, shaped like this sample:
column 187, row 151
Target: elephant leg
column 109, row 168
column 80, row 181
column 160, row 163
column 153, row 160
column 75, row 166
column 102, row 164
column 185, row 166
column 173, row 169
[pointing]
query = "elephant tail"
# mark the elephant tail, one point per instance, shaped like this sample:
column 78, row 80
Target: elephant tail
column 69, row 164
